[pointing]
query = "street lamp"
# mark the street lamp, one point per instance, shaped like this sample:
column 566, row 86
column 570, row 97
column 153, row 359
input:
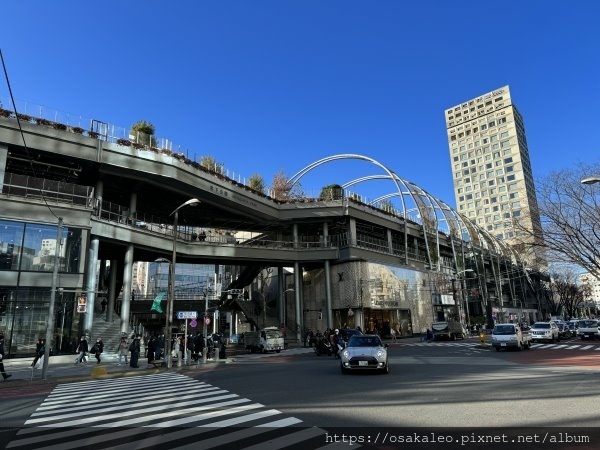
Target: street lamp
column 590, row 180
column 169, row 319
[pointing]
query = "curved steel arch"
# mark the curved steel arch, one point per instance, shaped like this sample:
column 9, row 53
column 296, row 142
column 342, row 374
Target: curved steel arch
column 395, row 179
column 425, row 204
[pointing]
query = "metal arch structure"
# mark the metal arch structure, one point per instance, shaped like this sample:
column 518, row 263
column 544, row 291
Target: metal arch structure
column 390, row 175
column 432, row 211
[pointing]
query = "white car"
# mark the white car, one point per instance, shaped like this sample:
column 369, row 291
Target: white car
column 510, row 335
column 588, row 328
column 365, row 352
column 544, row 331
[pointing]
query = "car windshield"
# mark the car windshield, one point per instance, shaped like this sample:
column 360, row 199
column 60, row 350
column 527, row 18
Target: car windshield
column 588, row 323
column 364, row 341
column 541, row 325
column 504, row 329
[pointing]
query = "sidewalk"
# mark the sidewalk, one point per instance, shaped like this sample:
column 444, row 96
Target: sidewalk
column 61, row 368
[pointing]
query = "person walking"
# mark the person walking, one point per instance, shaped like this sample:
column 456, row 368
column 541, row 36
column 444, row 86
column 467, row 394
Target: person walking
column 393, row 334
column 134, row 348
column 2, row 371
column 97, row 349
column 123, row 350
column 82, row 348
column 40, row 349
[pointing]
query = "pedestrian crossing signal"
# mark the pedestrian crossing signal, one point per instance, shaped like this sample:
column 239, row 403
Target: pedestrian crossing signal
column 82, row 303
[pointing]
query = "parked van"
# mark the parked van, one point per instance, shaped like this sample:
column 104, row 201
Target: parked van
column 447, row 330
column 268, row 339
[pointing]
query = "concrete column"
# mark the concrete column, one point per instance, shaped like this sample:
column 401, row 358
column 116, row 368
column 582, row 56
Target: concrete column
column 352, row 229
column 101, row 276
column 327, row 280
column 297, row 295
column 112, row 295
column 90, row 285
column 125, row 303
column 280, row 290
column 3, row 158
column 99, row 194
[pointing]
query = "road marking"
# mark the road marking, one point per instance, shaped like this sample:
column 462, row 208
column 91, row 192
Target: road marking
column 124, row 413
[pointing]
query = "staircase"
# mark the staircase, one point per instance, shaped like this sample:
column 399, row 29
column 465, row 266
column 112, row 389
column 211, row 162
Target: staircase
column 109, row 332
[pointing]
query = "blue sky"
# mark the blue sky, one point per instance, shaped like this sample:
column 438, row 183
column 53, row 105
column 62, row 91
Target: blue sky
column 265, row 86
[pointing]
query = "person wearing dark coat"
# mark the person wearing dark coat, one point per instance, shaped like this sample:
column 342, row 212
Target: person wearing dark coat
column 40, row 349
column 2, row 371
column 134, row 348
column 152, row 348
column 82, row 348
column 97, row 349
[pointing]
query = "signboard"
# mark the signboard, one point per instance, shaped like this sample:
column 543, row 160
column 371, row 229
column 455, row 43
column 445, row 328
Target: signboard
column 187, row 314
column 82, row 303
column 207, row 320
column 193, row 324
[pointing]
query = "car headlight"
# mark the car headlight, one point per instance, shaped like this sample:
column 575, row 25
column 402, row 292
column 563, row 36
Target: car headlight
column 380, row 354
column 345, row 354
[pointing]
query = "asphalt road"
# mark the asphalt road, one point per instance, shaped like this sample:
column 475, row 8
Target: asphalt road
column 441, row 384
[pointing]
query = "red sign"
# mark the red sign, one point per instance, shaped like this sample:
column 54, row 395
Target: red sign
column 207, row 320
column 193, row 324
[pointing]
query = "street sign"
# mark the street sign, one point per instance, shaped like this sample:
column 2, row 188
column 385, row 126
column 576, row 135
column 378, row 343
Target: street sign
column 187, row 314
column 193, row 324
column 207, row 320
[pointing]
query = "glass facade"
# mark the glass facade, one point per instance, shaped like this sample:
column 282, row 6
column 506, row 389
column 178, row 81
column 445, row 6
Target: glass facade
column 31, row 247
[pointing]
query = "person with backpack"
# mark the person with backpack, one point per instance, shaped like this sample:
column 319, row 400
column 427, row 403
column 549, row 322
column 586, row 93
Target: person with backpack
column 97, row 349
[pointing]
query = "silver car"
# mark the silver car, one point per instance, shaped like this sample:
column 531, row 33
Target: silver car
column 365, row 352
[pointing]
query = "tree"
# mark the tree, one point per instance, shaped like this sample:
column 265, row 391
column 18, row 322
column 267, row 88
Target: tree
column 209, row 162
column 282, row 189
column 567, row 295
column 570, row 218
column 331, row 192
column 257, row 183
column 143, row 133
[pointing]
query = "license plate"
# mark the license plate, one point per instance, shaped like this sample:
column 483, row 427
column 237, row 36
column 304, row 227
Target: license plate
column 363, row 363
column 503, row 344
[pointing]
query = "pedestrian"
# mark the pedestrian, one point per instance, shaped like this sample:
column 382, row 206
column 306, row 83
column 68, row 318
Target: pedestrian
column 82, row 348
column 393, row 334
column 429, row 335
column 123, row 350
column 198, row 346
column 40, row 349
column 97, row 349
column 134, row 348
column 151, row 349
column 2, row 371
column 103, row 304
column 159, row 347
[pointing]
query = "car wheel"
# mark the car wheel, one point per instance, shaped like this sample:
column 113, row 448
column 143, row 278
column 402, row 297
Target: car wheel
column 343, row 370
column 386, row 369
column 497, row 349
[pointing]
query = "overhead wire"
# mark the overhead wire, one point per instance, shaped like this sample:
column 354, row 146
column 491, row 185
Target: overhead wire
column 29, row 158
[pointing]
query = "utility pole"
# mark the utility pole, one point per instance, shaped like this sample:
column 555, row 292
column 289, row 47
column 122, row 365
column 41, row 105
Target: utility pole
column 50, row 326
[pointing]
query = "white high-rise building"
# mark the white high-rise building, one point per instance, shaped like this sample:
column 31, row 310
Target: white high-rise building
column 493, row 180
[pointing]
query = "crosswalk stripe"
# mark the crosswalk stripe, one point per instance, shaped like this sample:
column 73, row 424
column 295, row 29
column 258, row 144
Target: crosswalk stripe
column 87, row 415
column 586, row 347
